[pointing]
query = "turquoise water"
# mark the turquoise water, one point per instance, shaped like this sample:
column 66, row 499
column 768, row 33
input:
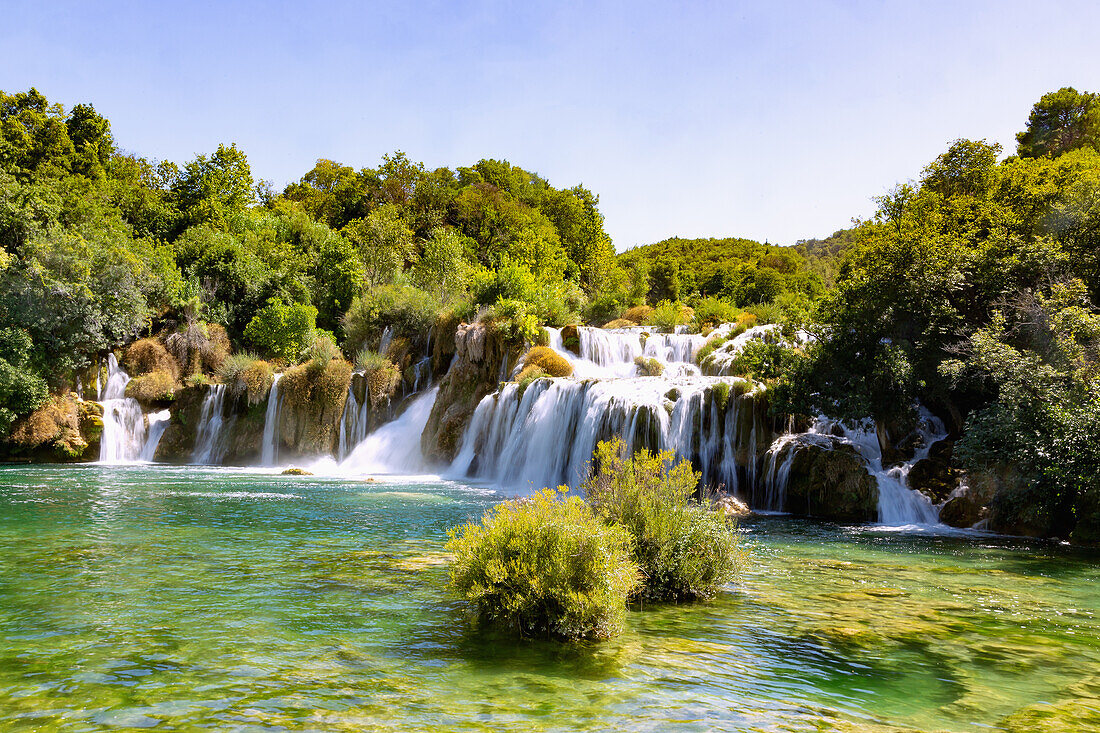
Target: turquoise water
column 188, row 599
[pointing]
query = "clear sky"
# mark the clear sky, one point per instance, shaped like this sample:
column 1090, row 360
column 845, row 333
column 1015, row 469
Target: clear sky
column 768, row 120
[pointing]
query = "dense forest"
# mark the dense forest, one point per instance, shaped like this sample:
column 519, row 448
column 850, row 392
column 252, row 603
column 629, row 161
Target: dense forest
column 972, row 290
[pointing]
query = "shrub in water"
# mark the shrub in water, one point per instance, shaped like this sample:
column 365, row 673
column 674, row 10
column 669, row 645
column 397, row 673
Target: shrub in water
column 544, row 566
column 549, row 361
column 684, row 550
column 711, row 312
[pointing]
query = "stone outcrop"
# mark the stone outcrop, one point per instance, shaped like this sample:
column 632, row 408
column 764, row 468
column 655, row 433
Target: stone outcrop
column 827, row 479
column 935, row 476
column 967, row 504
column 64, row 429
column 480, row 363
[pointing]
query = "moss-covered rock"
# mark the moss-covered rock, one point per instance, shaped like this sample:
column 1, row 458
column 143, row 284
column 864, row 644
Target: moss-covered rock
column 309, row 423
column 178, row 440
column 935, row 476
column 55, row 432
column 571, row 339
column 648, row 366
column 552, row 363
column 827, row 479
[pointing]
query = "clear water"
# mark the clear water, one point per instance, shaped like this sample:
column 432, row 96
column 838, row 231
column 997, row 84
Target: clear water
column 193, row 598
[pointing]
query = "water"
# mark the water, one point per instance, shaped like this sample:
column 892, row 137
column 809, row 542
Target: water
column 209, row 438
column 126, row 437
column 392, row 448
column 199, row 598
column 269, row 446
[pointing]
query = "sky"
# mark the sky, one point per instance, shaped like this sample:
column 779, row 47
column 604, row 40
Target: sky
column 776, row 121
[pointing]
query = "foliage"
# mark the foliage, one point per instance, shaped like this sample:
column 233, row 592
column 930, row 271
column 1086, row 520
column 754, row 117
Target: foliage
column 638, row 314
column 443, row 266
column 282, row 329
column 711, row 312
column 549, row 361
column 21, row 392
column 514, row 319
column 530, row 373
column 382, row 375
column 247, row 374
column 667, row 316
column 544, row 566
column 149, row 355
column 684, row 550
column 321, row 350
column 764, row 359
column 408, row 311
column 1061, row 121
column 152, row 387
column 384, row 242
column 317, row 389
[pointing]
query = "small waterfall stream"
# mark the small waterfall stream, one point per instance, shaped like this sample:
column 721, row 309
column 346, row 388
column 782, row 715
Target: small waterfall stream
column 125, row 437
column 269, row 444
column 209, row 443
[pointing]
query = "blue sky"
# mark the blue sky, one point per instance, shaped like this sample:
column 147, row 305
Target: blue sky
column 769, row 120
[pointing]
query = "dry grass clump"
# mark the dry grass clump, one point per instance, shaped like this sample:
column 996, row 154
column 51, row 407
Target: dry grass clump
column 322, row 388
column 156, row 386
column 149, row 355
column 246, row 373
column 638, row 314
column 382, row 376
column 619, row 323
column 218, row 349
column 45, row 424
column 551, row 363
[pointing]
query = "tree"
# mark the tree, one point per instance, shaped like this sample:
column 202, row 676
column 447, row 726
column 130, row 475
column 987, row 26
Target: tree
column 210, row 189
column 1059, row 122
column 384, row 242
column 281, row 329
column 442, row 266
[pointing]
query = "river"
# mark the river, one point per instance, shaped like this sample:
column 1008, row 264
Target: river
column 187, row 598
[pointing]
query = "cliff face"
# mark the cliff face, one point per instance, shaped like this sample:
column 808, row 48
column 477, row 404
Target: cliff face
column 481, row 360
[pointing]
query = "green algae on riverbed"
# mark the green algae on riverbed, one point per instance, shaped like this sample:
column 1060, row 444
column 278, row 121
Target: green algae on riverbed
column 194, row 598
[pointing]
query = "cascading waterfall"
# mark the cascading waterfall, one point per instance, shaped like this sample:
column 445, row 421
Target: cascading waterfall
column 392, row 448
column 269, row 445
column 897, row 503
column 354, row 423
column 209, row 443
column 546, row 434
column 125, row 438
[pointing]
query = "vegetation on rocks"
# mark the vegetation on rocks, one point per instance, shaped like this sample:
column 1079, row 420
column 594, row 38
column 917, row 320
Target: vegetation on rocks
column 152, row 387
column 551, row 363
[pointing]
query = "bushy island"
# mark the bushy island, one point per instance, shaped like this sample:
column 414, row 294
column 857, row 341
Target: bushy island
column 971, row 293
column 557, row 565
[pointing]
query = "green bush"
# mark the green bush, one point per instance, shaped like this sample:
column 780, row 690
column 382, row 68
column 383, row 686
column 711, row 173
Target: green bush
column 409, row 311
column 667, row 316
column 544, row 566
column 382, row 375
column 684, row 550
column 514, row 319
column 322, row 350
column 528, row 375
column 282, row 330
column 764, row 359
column 711, row 312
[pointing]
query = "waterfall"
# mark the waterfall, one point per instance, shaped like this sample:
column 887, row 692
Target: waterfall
column 209, row 440
column 126, row 438
column 158, row 423
column 354, row 423
column 394, row 447
column 898, row 505
column 123, row 422
column 610, row 353
column 545, row 435
column 269, row 450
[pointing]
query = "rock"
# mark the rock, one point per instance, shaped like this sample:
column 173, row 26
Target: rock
column 732, row 507
column 296, row 472
column 571, row 339
column 934, row 476
column 648, row 366
column 965, row 507
column 827, row 479
column 476, row 370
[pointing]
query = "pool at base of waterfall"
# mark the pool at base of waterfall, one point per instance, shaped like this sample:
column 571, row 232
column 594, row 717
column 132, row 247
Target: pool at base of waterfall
column 205, row 598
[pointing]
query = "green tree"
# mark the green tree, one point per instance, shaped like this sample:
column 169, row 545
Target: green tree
column 384, row 242
column 442, row 267
column 281, row 329
column 1061, row 121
